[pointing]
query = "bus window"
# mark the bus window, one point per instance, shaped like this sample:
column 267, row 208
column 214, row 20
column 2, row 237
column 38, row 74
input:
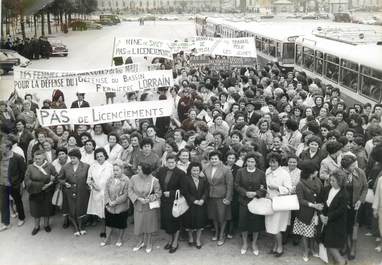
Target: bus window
column 278, row 50
column 319, row 62
column 371, row 83
column 349, row 74
column 265, row 45
column 272, row 48
column 308, row 58
column 332, row 67
column 258, row 43
column 288, row 51
column 298, row 58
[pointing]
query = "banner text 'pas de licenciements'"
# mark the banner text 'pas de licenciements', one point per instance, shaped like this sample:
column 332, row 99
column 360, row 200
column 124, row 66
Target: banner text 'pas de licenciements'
column 105, row 114
column 133, row 47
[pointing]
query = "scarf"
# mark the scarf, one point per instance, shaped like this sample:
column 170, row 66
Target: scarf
column 42, row 170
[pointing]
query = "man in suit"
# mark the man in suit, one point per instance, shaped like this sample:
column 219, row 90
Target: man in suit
column 80, row 102
column 252, row 114
column 13, row 169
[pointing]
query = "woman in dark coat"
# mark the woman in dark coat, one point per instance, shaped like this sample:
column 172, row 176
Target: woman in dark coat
column 334, row 216
column 195, row 190
column 314, row 153
column 250, row 183
column 39, row 179
column 308, row 192
column 170, row 178
column 73, row 178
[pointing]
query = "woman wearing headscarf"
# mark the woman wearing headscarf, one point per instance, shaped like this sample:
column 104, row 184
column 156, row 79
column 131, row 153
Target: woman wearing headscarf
column 250, row 183
column 39, row 179
column 143, row 190
column 308, row 191
column 73, row 177
column 99, row 172
column 170, row 179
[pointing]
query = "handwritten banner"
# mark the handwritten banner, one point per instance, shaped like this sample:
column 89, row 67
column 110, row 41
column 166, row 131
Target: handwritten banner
column 222, row 63
column 105, row 114
column 132, row 47
column 129, row 82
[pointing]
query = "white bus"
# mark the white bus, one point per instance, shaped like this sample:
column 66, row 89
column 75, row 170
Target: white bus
column 353, row 64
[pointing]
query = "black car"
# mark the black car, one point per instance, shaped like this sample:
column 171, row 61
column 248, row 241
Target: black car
column 7, row 63
column 342, row 17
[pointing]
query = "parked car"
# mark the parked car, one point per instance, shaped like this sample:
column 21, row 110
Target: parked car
column 323, row 15
column 293, row 16
column 310, row 16
column 24, row 62
column 93, row 25
column 58, row 48
column 342, row 17
column 7, row 62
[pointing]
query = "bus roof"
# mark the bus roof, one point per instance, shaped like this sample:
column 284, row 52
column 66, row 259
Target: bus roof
column 364, row 54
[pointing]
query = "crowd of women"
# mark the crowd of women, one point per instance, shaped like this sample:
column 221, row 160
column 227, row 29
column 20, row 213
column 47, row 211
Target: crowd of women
column 234, row 136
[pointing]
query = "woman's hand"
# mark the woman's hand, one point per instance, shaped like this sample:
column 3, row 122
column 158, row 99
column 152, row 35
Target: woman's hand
column 357, row 205
column 166, row 194
column 226, row 202
column 318, row 206
column 324, row 219
column 67, row 185
column 375, row 213
column 250, row 194
column 201, row 202
column 197, row 202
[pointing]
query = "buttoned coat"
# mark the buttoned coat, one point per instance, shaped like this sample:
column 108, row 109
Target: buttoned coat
column 221, row 183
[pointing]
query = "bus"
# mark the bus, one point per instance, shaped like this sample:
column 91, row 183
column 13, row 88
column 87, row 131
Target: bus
column 349, row 61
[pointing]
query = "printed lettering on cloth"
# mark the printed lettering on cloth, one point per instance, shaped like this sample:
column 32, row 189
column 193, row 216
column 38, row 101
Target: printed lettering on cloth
column 103, row 83
column 104, row 114
column 139, row 47
column 222, row 63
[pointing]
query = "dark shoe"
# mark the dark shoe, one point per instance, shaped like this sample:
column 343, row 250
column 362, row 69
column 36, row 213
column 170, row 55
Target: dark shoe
column 48, row 229
column 65, row 225
column 191, row 243
column 35, row 231
column 103, row 234
column 198, row 246
column 173, row 249
column 278, row 254
column 167, row 246
column 272, row 252
column 351, row 257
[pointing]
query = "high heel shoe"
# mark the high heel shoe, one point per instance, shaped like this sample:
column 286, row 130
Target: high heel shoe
column 148, row 250
column 119, row 244
column 35, row 230
column 167, row 246
column 173, row 249
column 139, row 246
column 278, row 254
column 198, row 246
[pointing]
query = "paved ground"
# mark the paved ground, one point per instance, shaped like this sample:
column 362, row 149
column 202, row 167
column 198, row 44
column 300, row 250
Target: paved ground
column 89, row 50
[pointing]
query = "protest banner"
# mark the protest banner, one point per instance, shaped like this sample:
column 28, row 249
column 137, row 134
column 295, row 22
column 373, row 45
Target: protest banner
column 225, row 63
column 239, row 47
column 133, row 47
column 30, row 73
column 104, row 114
column 129, row 82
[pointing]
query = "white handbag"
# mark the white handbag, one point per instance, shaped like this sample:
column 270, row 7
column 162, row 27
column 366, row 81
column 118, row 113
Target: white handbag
column 369, row 196
column 154, row 204
column 285, row 203
column 262, row 206
column 180, row 205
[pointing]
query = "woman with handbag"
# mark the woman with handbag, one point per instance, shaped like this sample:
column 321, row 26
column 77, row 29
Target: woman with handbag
column 39, row 179
column 220, row 180
column 170, row 178
column 145, row 193
column 308, row 192
column 195, row 189
column 73, row 177
column 334, row 215
column 250, row 183
column 356, row 187
column 278, row 183
column 117, row 203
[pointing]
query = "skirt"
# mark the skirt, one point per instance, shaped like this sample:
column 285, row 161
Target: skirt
column 195, row 217
column 169, row 223
column 146, row 221
column 218, row 211
column 41, row 204
column 277, row 222
column 302, row 229
column 118, row 220
column 249, row 222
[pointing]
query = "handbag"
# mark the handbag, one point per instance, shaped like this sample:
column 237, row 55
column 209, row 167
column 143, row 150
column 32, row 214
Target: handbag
column 261, row 206
column 180, row 205
column 58, row 196
column 369, row 196
column 154, row 204
column 285, row 203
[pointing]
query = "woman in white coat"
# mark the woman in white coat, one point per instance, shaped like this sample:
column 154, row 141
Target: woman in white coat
column 278, row 183
column 113, row 148
column 98, row 175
